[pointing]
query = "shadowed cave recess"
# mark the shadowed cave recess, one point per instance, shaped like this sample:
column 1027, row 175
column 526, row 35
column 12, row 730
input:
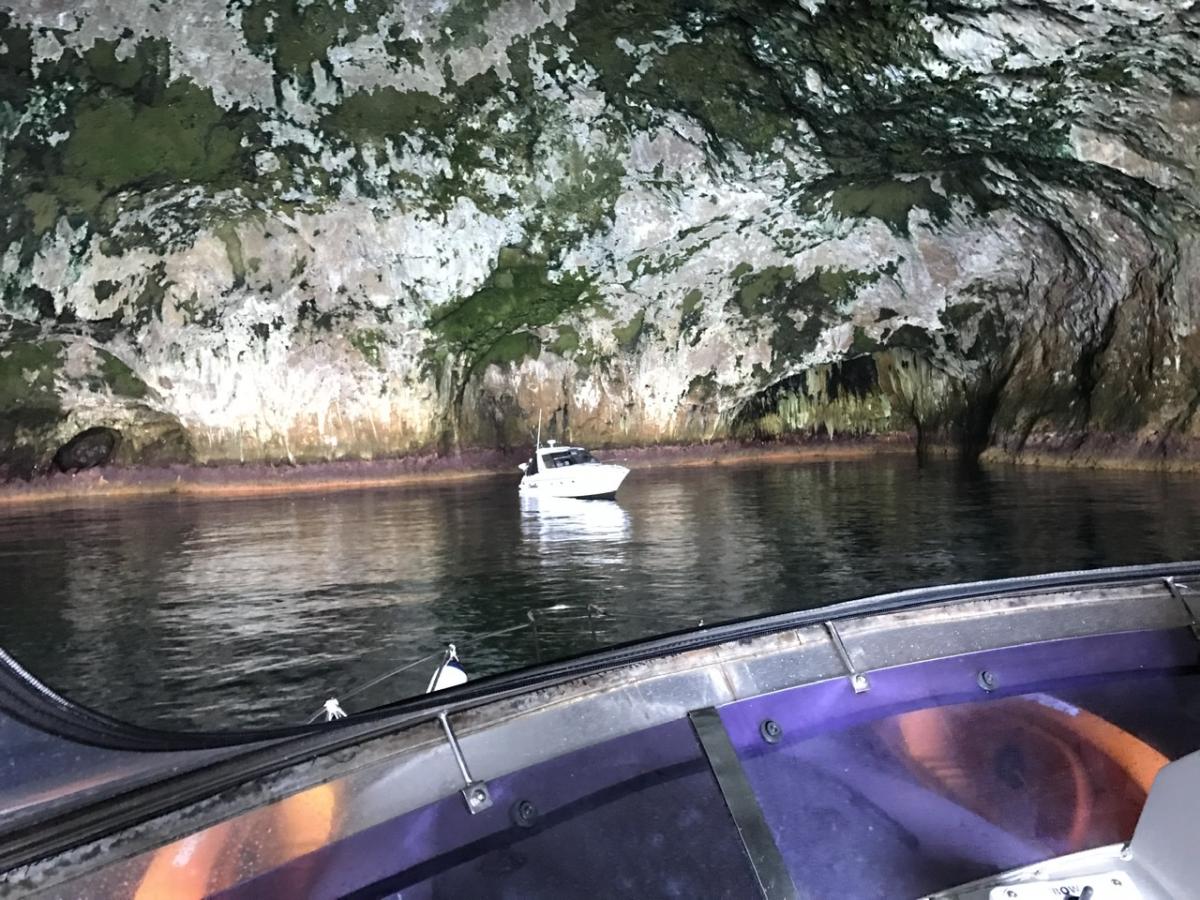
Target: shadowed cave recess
column 248, row 231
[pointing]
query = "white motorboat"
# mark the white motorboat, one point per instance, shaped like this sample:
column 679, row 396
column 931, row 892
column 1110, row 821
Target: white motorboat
column 570, row 472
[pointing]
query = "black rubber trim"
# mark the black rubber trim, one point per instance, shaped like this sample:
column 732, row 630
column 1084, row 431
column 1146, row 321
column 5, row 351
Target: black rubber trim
column 29, row 700
column 263, row 752
column 774, row 879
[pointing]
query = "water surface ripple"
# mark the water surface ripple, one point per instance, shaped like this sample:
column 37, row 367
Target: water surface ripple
column 240, row 613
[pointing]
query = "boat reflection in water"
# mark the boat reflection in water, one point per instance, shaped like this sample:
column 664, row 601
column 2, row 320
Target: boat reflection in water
column 556, row 520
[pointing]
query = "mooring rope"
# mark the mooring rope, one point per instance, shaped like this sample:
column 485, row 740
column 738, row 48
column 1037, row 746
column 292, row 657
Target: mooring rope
column 437, row 654
column 334, row 703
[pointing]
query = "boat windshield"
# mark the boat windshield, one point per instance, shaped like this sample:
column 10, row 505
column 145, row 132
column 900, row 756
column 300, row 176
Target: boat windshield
column 572, row 457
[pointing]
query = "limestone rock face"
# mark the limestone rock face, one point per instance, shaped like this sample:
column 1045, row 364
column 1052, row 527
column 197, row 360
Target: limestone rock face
column 312, row 229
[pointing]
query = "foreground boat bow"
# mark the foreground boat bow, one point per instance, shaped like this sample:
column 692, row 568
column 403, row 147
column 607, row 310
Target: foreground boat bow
column 910, row 743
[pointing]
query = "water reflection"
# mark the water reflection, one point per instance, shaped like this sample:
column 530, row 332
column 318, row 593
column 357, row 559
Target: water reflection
column 219, row 614
column 556, row 520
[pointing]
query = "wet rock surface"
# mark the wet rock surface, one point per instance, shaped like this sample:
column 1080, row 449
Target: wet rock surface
column 282, row 231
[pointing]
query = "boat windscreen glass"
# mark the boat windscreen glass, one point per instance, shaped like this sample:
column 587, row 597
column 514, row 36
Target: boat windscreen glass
column 919, row 796
column 573, row 457
column 635, row 816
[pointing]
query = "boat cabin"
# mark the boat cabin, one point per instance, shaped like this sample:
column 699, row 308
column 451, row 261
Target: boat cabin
column 554, row 457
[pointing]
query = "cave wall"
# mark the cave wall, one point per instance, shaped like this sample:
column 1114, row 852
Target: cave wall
column 312, row 229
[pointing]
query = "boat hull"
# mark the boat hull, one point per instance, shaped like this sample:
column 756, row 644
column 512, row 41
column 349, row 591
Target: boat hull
column 593, row 482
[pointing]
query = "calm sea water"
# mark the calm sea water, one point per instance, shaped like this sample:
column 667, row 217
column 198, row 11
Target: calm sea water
column 252, row 612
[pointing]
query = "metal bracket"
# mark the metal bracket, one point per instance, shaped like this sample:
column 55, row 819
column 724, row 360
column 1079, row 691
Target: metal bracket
column 770, row 868
column 476, row 793
column 858, row 680
column 1190, row 606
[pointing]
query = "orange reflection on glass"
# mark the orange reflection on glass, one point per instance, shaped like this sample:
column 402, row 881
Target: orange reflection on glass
column 210, row 860
column 1035, row 765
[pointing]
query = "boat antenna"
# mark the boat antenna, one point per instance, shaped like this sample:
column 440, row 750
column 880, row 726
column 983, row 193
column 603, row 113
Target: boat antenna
column 539, row 431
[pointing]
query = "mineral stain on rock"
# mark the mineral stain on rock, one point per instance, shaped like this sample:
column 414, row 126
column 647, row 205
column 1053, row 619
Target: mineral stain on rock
column 265, row 231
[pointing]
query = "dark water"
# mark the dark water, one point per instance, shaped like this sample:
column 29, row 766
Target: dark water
column 235, row 613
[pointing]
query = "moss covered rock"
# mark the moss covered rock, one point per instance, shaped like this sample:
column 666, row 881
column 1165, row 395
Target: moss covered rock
column 268, row 230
